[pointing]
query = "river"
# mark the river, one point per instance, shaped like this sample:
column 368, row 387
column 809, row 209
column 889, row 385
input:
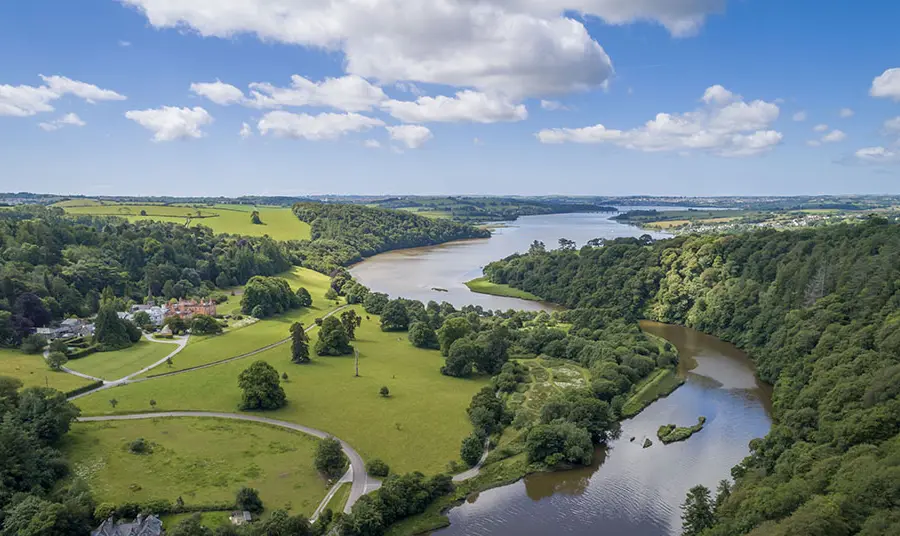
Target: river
column 628, row 490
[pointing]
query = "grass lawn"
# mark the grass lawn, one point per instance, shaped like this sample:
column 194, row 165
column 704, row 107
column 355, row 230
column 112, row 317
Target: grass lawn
column 419, row 427
column 207, row 519
column 121, row 363
column 483, row 286
column 33, row 371
column 339, row 499
column 658, row 385
column 201, row 460
column 279, row 223
column 208, row 348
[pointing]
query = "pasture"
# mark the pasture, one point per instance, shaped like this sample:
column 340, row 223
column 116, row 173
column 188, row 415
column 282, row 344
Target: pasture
column 121, row 363
column 32, row 371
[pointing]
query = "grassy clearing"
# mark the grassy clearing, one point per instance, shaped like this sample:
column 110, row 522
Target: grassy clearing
column 279, row 223
column 203, row 461
column 208, row 348
column 483, row 286
column 339, row 499
column 207, row 519
column 121, row 363
column 651, row 389
column 419, row 427
column 33, row 371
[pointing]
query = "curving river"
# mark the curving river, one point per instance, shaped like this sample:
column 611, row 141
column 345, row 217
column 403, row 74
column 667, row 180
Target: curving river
column 628, row 490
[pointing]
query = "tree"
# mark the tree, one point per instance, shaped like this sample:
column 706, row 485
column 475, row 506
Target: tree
column 34, row 516
column 205, row 325
column 56, row 360
column 254, row 218
column 299, row 344
column 463, row 354
column 559, row 442
column 248, row 499
column 384, row 391
column 33, row 344
column 140, row 446
column 452, row 329
column 303, row 297
column 333, row 338
column 422, row 336
column 329, row 458
column 566, row 245
column 394, row 316
column 29, row 306
column 176, row 324
column 375, row 302
column 46, row 412
column 696, row 511
column 378, row 468
column 471, row 450
column 261, row 387
column 350, row 320
column 59, row 345
column 9, row 393
column 110, row 331
column 331, row 294
column 267, row 296
column 113, row 402
column 153, row 403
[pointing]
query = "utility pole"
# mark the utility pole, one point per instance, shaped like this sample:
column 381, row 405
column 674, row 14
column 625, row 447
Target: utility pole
column 356, row 353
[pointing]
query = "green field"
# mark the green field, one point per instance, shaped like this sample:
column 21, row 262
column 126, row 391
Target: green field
column 419, row 427
column 208, row 348
column 121, row 363
column 33, row 371
column 207, row 519
column 339, row 499
column 483, row 286
column 279, row 223
column 201, row 460
column 660, row 384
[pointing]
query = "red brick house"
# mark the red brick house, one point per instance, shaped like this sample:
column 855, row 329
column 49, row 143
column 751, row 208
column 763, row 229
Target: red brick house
column 189, row 308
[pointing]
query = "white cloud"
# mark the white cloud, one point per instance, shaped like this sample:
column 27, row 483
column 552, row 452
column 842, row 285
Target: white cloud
column 892, row 124
column 517, row 47
column 89, row 92
column 372, row 144
column 170, row 123
column 218, row 92
column 846, row 112
column 820, row 128
column 349, row 93
column 887, row 84
column 68, row 119
column 124, row 43
column 552, row 105
column 735, row 129
column 799, row 116
column 814, row 143
column 324, row 126
column 877, row 155
column 23, row 101
column 834, row 136
column 246, row 131
column 414, row 136
column 465, row 106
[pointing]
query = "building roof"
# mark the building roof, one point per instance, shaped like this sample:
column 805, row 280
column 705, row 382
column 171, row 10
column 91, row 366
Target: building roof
column 141, row 526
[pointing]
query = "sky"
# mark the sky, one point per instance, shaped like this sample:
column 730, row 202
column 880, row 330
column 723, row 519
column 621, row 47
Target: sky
column 526, row 97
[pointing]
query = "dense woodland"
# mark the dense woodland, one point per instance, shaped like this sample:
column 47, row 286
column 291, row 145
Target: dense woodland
column 819, row 312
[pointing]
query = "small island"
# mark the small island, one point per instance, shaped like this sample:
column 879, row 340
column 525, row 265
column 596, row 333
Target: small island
column 669, row 433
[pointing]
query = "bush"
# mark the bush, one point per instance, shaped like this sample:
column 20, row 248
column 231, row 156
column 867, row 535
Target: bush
column 33, row 344
column 378, row 468
column 56, row 360
column 140, row 446
column 205, row 325
column 104, row 511
column 330, row 459
column 384, row 391
column 471, row 450
column 248, row 499
column 61, row 346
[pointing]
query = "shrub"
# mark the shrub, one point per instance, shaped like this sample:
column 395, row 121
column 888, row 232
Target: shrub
column 471, row 450
column 33, row 344
column 378, row 468
column 248, row 499
column 330, row 459
column 104, row 511
column 56, row 360
column 140, row 446
column 384, row 391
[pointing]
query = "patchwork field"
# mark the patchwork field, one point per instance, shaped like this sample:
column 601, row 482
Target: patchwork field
column 233, row 342
column 279, row 223
column 121, row 363
column 419, row 427
column 33, row 371
column 202, row 461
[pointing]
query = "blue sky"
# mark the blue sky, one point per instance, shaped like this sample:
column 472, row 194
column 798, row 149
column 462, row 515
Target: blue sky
column 456, row 96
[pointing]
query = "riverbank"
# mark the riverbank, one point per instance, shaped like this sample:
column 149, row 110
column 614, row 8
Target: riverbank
column 482, row 285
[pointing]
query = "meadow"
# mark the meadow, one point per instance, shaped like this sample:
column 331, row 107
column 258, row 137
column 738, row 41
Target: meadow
column 279, row 223
column 484, row 286
column 203, row 461
column 204, row 349
column 32, row 371
column 418, row 427
column 121, row 363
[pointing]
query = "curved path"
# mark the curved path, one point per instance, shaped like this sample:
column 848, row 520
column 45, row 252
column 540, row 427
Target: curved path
column 361, row 482
column 476, row 469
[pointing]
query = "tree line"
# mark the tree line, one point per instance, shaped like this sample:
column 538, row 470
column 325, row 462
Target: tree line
column 819, row 312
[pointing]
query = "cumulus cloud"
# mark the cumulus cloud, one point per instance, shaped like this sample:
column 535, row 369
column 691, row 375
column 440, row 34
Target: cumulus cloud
column 171, row 123
column 552, row 105
column 372, row 144
column 246, row 131
column 324, row 126
column 834, row 136
column 892, row 125
column 23, row 101
column 349, row 93
column 413, row 136
column 69, row 119
column 218, row 92
column 846, row 112
column 877, row 155
column 799, row 116
column 820, row 128
column 725, row 126
column 887, row 84
column 465, row 106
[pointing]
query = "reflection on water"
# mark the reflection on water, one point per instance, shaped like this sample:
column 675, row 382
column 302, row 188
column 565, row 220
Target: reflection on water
column 631, row 490
column 417, row 273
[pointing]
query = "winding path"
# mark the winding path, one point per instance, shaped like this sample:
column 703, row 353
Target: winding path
column 361, row 482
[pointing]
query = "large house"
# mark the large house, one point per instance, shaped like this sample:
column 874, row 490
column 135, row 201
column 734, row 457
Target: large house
column 189, row 308
column 156, row 313
column 70, row 327
column 142, row 526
